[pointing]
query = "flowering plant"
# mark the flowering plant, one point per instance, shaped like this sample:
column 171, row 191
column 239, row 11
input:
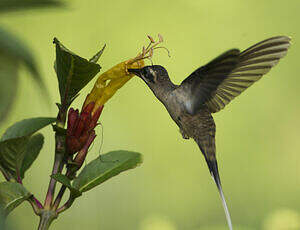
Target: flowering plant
column 20, row 144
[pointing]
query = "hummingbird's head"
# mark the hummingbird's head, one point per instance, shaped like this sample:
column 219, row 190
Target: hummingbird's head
column 152, row 75
column 157, row 79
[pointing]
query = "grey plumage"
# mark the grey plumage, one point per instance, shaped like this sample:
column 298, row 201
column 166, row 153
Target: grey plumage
column 209, row 89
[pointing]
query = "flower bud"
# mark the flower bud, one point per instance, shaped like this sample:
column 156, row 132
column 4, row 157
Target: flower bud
column 81, row 127
column 80, row 157
column 73, row 116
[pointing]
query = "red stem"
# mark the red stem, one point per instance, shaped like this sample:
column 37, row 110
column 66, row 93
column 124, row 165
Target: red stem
column 52, row 183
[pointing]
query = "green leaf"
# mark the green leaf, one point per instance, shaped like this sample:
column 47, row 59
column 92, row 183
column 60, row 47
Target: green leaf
column 2, row 220
column 9, row 84
column 13, row 48
column 105, row 167
column 4, row 225
column 33, row 149
column 96, row 57
column 14, row 52
column 67, row 182
column 26, row 127
column 12, row 5
column 18, row 149
column 12, row 195
column 12, row 153
column 73, row 72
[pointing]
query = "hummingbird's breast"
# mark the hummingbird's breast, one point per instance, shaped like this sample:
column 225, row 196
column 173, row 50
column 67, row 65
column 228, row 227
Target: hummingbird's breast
column 175, row 105
column 191, row 125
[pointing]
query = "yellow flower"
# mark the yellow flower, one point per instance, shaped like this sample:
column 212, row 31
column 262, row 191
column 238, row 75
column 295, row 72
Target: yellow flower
column 113, row 79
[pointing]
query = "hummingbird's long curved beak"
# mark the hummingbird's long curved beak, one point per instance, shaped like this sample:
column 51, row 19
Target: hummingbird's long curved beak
column 137, row 72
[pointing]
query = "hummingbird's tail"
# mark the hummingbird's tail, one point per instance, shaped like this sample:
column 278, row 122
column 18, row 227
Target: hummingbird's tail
column 213, row 168
column 208, row 148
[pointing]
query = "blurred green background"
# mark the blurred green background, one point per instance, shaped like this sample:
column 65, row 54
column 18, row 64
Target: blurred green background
column 257, row 134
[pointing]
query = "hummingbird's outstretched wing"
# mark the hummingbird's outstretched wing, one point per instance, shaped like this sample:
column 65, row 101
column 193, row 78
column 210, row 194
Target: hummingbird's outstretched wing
column 224, row 78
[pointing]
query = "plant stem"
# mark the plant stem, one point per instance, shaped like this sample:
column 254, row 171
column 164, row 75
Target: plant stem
column 47, row 213
column 62, row 190
column 59, row 197
column 51, row 188
column 67, row 205
column 36, row 205
column 60, row 149
column 46, row 218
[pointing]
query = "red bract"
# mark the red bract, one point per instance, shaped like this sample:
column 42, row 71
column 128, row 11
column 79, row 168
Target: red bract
column 81, row 126
column 80, row 157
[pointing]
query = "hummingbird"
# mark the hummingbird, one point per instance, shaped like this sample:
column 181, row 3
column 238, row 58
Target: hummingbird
column 208, row 90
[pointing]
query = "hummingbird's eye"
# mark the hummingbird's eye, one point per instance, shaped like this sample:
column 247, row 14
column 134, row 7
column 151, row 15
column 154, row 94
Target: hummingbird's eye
column 148, row 74
column 145, row 72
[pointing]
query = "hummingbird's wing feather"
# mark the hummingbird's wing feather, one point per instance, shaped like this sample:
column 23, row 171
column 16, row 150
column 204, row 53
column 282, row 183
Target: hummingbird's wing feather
column 203, row 83
column 227, row 76
column 207, row 147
